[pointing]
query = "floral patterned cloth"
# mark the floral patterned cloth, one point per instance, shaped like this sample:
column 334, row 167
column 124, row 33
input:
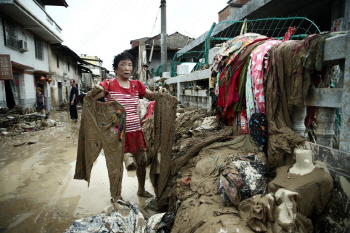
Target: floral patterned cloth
column 258, row 67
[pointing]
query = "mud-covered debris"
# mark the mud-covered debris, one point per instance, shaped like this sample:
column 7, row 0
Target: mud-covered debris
column 19, row 144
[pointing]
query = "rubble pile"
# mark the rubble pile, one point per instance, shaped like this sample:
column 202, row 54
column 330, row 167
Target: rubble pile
column 14, row 122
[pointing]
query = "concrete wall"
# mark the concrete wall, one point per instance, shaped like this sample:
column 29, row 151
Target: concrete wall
column 41, row 15
column 62, row 74
column 2, row 94
column 29, row 96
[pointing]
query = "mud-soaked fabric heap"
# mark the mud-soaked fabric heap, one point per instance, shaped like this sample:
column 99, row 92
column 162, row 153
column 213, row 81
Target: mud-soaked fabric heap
column 102, row 127
column 120, row 217
column 202, row 208
column 274, row 213
column 288, row 82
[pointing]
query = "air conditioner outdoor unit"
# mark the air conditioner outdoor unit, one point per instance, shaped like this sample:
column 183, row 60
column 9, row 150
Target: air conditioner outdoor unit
column 22, row 45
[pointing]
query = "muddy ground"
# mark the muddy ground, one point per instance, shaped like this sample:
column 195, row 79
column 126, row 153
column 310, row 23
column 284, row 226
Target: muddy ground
column 37, row 189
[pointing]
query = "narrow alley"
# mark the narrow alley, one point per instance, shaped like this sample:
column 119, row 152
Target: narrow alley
column 37, row 184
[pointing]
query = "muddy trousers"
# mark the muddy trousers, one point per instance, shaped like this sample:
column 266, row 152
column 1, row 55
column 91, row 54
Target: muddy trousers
column 102, row 127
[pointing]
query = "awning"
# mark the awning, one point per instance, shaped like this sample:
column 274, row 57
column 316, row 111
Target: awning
column 42, row 72
column 21, row 66
column 55, row 3
column 84, row 69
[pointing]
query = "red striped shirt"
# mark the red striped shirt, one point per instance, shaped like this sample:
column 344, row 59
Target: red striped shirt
column 128, row 97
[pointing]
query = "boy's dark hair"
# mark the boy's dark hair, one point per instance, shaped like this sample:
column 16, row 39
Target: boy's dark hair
column 121, row 57
column 145, row 66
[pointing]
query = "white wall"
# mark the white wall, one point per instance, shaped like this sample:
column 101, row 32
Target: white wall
column 29, row 86
column 26, row 58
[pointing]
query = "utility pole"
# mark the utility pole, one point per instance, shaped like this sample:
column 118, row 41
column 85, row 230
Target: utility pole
column 163, row 37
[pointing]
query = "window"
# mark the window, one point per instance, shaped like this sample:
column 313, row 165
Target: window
column 75, row 69
column 11, row 39
column 39, row 48
column 68, row 65
column 58, row 61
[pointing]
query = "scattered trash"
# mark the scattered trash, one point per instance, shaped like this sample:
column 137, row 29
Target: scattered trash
column 120, row 217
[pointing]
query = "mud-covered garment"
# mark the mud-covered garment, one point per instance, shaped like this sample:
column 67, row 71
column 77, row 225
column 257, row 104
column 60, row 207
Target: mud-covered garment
column 232, row 47
column 205, row 179
column 258, row 67
column 149, row 113
column 164, row 137
column 229, row 80
column 258, row 130
column 102, row 127
column 207, row 214
column 129, row 98
column 252, row 171
column 314, row 189
column 260, row 214
column 290, row 68
column 123, row 217
column 232, row 182
column 249, row 97
column 153, row 223
column 238, row 106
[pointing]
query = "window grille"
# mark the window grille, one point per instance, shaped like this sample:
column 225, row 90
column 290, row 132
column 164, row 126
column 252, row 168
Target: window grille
column 39, row 48
column 11, row 38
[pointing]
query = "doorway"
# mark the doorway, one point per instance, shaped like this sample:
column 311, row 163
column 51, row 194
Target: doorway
column 60, row 96
column 10, row 100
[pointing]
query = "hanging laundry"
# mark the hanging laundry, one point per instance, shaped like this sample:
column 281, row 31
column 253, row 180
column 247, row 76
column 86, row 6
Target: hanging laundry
column 258, row 131
column 258, row 62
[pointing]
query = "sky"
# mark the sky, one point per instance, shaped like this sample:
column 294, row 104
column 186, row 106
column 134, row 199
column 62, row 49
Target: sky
column 104, row 28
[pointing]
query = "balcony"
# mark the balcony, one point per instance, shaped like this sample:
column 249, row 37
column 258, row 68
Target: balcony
column 32, row 17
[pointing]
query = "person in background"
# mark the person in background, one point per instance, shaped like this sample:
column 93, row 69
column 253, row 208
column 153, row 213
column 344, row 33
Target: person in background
column 40, row 100
column 147, row 74
column 73, row 100
column 127, row 92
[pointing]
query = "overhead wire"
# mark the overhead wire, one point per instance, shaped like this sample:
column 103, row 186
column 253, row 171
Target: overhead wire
column 155, row 21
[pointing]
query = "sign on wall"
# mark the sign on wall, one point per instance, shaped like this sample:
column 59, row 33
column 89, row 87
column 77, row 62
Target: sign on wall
column 66, row 83
column 5, row 67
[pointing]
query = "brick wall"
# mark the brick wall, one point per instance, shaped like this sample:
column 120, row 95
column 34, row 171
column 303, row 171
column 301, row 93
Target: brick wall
column 224, row 13
column 241, row 2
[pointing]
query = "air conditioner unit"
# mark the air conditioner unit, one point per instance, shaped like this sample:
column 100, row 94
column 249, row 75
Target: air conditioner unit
column 22, row 45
